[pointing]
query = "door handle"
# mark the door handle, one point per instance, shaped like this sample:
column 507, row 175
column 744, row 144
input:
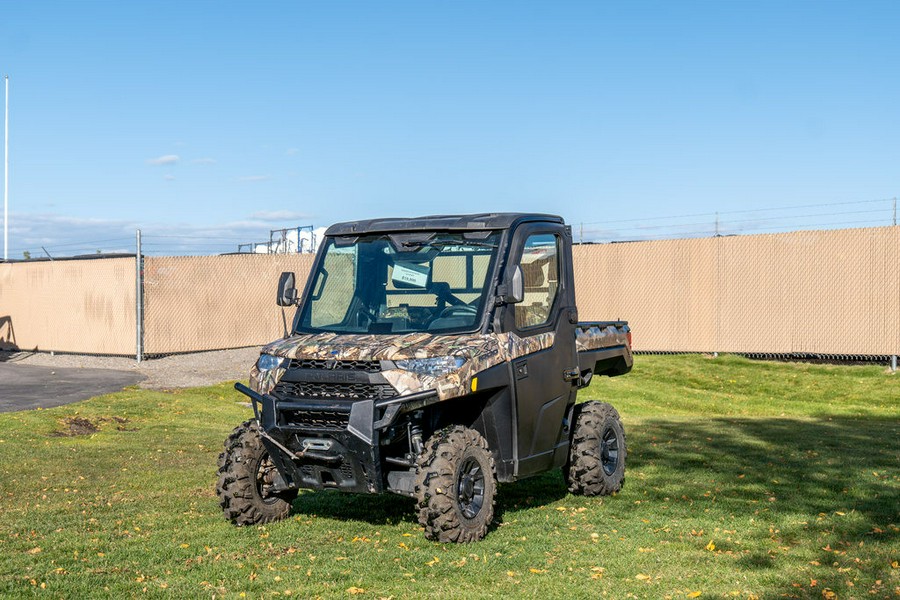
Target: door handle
column 571, row 374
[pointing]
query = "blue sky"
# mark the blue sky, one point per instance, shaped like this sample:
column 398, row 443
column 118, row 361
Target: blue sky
column 222, row 120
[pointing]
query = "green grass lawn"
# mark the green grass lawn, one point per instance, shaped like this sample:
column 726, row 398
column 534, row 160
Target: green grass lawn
column 744, row 480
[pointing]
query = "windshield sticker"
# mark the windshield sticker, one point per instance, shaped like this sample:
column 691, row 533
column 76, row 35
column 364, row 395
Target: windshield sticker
column 410, row 274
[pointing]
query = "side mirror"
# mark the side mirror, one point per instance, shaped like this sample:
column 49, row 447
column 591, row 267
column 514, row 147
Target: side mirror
column 515, row 289
column 287, row 290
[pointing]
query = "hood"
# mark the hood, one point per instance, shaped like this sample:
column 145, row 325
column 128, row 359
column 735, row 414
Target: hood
column 479, row 351
column 333, row 346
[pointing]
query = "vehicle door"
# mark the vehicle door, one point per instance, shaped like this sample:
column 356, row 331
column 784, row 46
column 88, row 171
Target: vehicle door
column 543, row 348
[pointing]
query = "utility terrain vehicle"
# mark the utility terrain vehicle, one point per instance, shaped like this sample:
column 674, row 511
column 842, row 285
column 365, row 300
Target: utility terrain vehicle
column 431, row 357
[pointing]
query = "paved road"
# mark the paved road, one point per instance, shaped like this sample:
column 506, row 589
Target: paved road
column 26, row 387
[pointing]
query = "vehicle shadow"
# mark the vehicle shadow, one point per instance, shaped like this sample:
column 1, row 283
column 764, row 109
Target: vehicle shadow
column 393, row 509
column 382, row 509
column 808, row 469
column 840, row 469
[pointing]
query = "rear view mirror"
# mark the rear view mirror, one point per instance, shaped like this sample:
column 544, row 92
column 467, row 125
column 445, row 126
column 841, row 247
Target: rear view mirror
column 287, row 290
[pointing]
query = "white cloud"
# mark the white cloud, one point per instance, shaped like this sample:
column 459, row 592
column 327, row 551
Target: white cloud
column 64, row 235
column 279, row 215
column 292, row 151
column 204, row 161
column 165, row 159
column 251, row 178
column 169, row 177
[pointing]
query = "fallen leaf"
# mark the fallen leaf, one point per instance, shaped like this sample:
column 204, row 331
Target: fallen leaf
column 694, row 594
column 642, row 577
column 431, row 563
column 355, row 590
column 710, row 546
column 533, row 570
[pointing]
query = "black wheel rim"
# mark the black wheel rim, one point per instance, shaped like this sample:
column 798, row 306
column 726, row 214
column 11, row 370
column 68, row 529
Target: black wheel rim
column 609, row 451
column 470, row 488
column 265, row 480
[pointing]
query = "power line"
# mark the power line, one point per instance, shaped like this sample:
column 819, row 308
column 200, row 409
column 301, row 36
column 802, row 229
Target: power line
column 709, row 232
column 80, row 244
column 763, row 220
column 195, row 236
column 734, row 212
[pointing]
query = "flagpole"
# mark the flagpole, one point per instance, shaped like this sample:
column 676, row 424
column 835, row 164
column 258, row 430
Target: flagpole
column 6, row 176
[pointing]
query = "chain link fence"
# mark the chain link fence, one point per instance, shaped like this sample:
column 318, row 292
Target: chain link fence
column 85, row 306
column 832, row 294
column 196, row 303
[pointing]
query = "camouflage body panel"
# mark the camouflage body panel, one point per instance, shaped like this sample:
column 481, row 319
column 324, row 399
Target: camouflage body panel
column 335, row 346
column 497, row 349
column 264, row 381
column 595, row 336
column 479, row 351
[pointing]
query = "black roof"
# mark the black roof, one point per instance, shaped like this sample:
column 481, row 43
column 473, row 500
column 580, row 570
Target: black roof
column 439, row 222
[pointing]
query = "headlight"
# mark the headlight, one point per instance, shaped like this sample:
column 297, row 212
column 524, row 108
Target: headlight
column 267, row 362
column 435, row 367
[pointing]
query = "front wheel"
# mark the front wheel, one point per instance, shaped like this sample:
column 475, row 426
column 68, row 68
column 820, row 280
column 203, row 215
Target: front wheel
column 456, row 485
column 246, row 480
column 596, row 465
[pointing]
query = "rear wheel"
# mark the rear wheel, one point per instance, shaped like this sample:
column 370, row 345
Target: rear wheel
column 456, row 486
column 596, row 465
column 246, row 480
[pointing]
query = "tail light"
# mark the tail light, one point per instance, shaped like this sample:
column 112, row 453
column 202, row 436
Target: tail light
column 628, row 337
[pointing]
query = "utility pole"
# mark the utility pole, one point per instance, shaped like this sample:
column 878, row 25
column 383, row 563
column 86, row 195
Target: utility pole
column 6, row 175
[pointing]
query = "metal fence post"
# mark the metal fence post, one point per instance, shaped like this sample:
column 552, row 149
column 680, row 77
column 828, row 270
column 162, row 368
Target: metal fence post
column 894, row 363
column 138, row 298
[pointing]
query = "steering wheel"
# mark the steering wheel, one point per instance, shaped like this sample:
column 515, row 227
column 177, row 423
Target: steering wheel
column 459, row 309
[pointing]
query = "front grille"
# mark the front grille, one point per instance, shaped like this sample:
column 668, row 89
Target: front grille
column 334, row 391
column 317, row 419
column 367, row 366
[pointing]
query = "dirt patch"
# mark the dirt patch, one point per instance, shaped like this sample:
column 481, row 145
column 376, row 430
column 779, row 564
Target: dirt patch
column 75, row 426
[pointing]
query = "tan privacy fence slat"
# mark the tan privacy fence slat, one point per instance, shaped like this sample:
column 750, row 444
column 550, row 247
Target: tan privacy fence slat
column 69, row 306
column 817, row 292
column 210, row 302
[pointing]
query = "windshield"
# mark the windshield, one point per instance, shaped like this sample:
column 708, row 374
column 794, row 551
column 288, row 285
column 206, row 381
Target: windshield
column 401, row 283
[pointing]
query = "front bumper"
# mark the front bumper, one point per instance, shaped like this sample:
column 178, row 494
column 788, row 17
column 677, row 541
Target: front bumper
column 320, row 444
